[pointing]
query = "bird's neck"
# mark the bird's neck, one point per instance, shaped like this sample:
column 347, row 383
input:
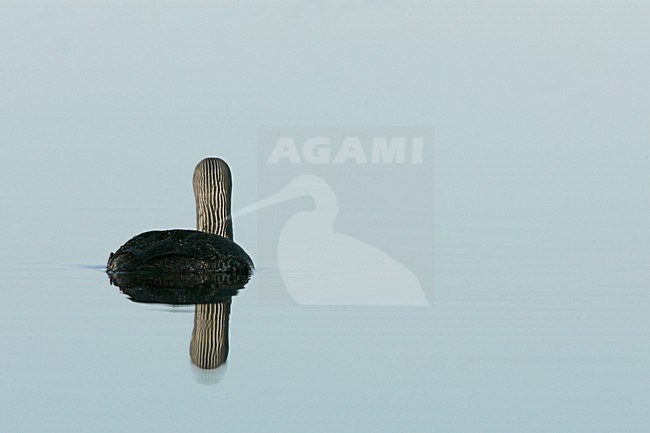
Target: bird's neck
column 215, row 219
column 212, row 186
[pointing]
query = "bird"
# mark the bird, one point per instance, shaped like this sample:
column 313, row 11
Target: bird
column 320, row 266
column 208, row 249
column 203, row 267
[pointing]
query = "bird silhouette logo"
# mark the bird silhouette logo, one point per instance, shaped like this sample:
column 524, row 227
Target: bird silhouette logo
column 320, row 266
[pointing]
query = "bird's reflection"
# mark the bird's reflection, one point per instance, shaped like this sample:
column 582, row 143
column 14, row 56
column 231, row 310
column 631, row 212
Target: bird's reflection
column 209, row 344
column 212, row 296
column 179, row 288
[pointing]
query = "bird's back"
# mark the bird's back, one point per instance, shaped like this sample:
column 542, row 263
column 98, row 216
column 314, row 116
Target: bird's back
column 180, row 251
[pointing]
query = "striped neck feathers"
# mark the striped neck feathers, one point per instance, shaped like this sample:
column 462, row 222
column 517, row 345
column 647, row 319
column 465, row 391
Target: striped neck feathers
column 212, row 184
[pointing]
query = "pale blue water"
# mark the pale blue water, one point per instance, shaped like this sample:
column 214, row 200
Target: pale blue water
column 540, row 301
column 485, row 356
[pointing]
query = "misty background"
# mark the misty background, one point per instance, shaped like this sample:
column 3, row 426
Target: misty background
column 539, row 315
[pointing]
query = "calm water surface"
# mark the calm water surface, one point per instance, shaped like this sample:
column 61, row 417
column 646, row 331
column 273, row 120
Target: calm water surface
column 486, row 356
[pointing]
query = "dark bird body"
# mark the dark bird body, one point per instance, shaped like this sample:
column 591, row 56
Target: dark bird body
column 180, row 251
